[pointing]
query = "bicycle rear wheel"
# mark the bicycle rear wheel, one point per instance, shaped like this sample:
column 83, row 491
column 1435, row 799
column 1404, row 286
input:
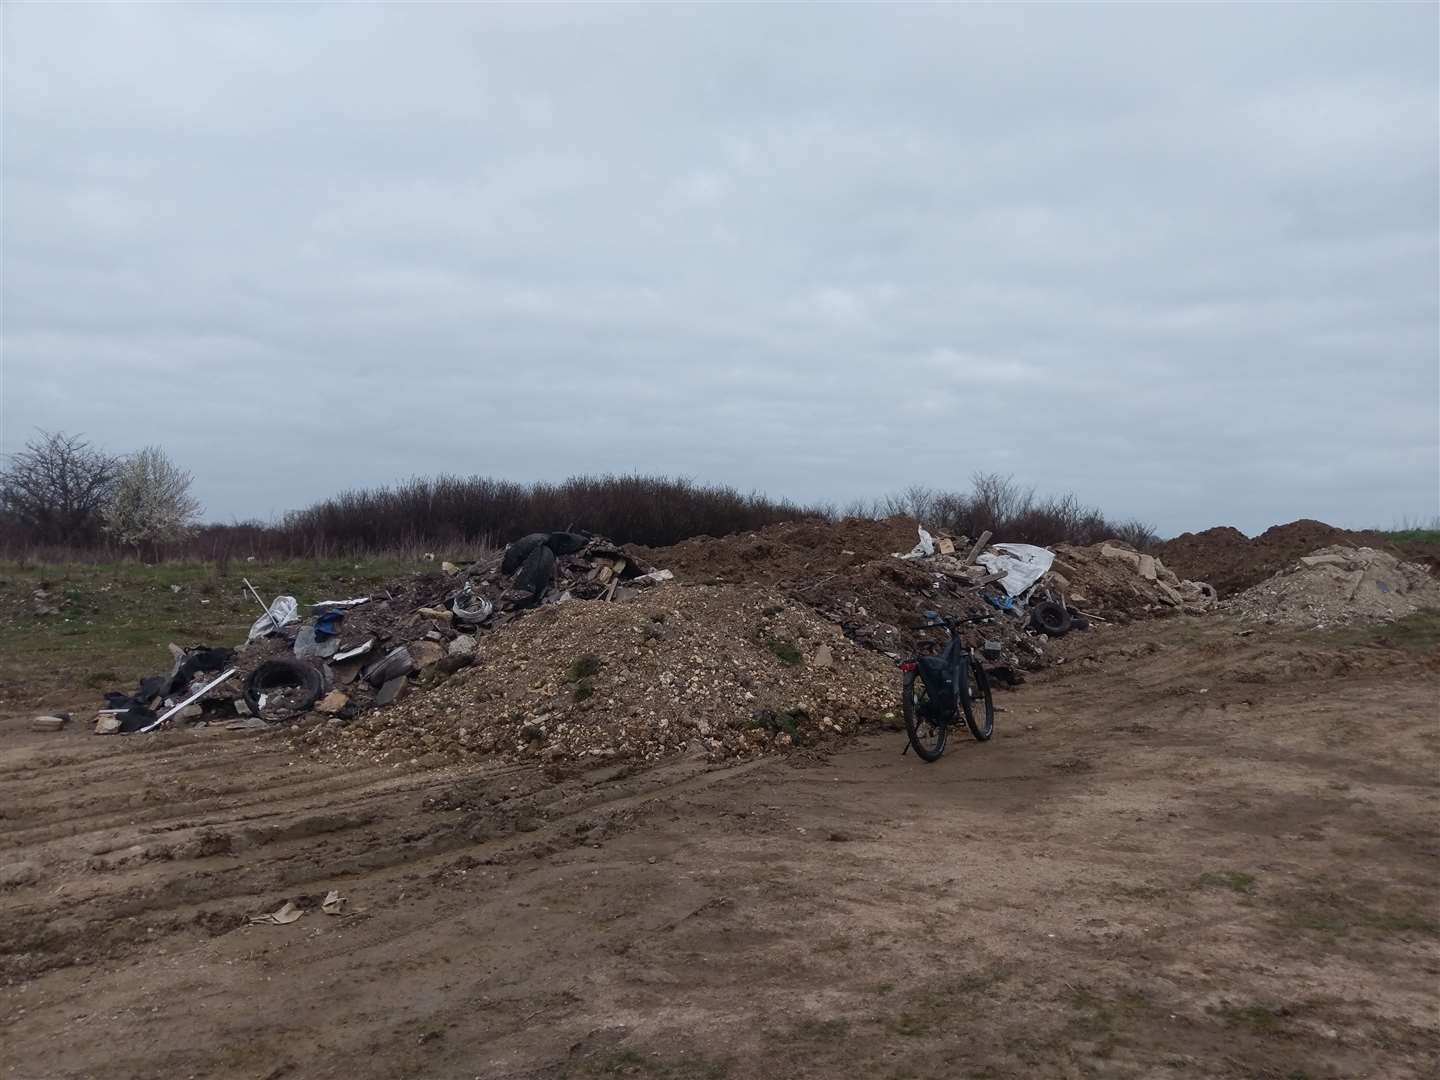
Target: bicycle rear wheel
column 926, row 733
column 979, row 707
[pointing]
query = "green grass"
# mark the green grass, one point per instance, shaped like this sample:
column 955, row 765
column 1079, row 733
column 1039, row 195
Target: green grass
column 1234, row 880
column 583, row 667
column 785, row 651
column 1139, row 892
column 1257, row 1018
column 118, row 617
column 1419, row 632
column 820, row 1030
column 1334, row 915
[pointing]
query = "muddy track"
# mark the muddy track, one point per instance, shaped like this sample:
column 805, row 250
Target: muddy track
column 1133, row 879
column 213, row 852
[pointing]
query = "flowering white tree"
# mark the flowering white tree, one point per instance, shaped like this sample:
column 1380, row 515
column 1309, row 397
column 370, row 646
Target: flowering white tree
column 151, row 503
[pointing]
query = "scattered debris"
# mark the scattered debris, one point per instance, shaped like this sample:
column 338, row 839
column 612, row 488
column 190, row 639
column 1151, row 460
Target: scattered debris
column 49, row 723
column 285, row 610
column 286, row 913
column 334, row 903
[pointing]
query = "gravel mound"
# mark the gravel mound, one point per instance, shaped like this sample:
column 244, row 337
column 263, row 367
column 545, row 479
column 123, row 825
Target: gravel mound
column 723, row 670
column 1337, row 586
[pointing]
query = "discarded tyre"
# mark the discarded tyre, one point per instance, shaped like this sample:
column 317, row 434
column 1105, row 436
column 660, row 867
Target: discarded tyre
column 1050, row 618
column 288, row 686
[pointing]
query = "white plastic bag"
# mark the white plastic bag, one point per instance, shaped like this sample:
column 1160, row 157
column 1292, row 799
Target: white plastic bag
column 924, row 549
column 1022, row 564
column 285, row 609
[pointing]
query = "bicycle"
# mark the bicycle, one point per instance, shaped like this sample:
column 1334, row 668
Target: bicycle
column 938, row 688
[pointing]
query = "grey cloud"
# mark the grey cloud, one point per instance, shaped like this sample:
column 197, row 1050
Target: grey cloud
column 1181, row 260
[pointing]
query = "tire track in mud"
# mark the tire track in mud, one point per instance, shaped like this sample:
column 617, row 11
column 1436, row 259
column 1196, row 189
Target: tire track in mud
column 240, row 865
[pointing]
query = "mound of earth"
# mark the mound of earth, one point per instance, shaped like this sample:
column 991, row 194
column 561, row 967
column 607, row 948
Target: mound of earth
column 1339, row 585
column 1232, row 561
column 723, row 670
column 785, row 553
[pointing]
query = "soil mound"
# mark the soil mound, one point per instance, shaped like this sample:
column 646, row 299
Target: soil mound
column 790, row 552
column 1232, row 562
column 722, row 670
column 1337, row 586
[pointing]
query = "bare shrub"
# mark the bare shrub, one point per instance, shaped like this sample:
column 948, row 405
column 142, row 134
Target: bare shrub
column 53, row 491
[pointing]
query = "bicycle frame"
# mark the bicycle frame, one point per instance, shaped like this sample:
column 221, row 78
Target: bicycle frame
column 955, row 660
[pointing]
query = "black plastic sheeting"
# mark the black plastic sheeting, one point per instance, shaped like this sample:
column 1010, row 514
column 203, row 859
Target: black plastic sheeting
column 536, row 572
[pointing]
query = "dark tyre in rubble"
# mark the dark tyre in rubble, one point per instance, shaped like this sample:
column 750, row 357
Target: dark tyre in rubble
column 1048, row 617
column 299, row 685
column 926, row 732
column 978, row 705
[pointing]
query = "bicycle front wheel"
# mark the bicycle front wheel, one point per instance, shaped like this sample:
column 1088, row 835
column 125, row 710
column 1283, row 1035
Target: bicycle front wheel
column 979, row 707
column 927, row 734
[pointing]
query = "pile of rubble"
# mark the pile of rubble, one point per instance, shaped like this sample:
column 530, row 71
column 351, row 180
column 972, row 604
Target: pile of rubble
column 1338, row 586
column 511, row 661
column 347, row 656
column 1115, row 582
column 722, row 670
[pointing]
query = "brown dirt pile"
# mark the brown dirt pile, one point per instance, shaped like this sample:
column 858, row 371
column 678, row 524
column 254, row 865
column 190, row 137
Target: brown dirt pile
column 1232, row 562
column 793, row 552
column 725, row 670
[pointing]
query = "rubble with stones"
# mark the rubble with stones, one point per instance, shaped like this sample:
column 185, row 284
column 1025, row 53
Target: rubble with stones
column 1339, row 586
column 721, row 670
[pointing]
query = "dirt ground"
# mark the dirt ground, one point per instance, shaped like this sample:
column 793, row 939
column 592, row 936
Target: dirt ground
column 1186, row 853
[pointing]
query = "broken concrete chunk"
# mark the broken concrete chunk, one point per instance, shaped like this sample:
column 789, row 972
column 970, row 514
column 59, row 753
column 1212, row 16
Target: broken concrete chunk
column 108, row 724
column 1324, row 560
column 1169, row 595
column 462, row 645
column 1111, row 552
column 332, row 703
column 823, row 657
column 391, row 690
column 655, row 577
column 48, row 723
column 425, row 653
column 1147, row 567
column 345, row 673
column 438, row 614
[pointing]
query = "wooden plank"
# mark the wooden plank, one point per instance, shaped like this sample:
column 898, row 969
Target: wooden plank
column 978, row 548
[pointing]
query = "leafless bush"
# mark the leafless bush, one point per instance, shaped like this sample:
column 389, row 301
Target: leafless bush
column 1010, row 511
column 53, row 491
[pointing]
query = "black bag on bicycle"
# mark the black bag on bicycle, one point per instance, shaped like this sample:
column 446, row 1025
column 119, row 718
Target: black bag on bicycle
column 937, row 687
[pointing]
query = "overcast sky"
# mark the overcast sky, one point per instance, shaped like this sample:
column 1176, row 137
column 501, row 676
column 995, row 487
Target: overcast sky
column 1182, row 261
